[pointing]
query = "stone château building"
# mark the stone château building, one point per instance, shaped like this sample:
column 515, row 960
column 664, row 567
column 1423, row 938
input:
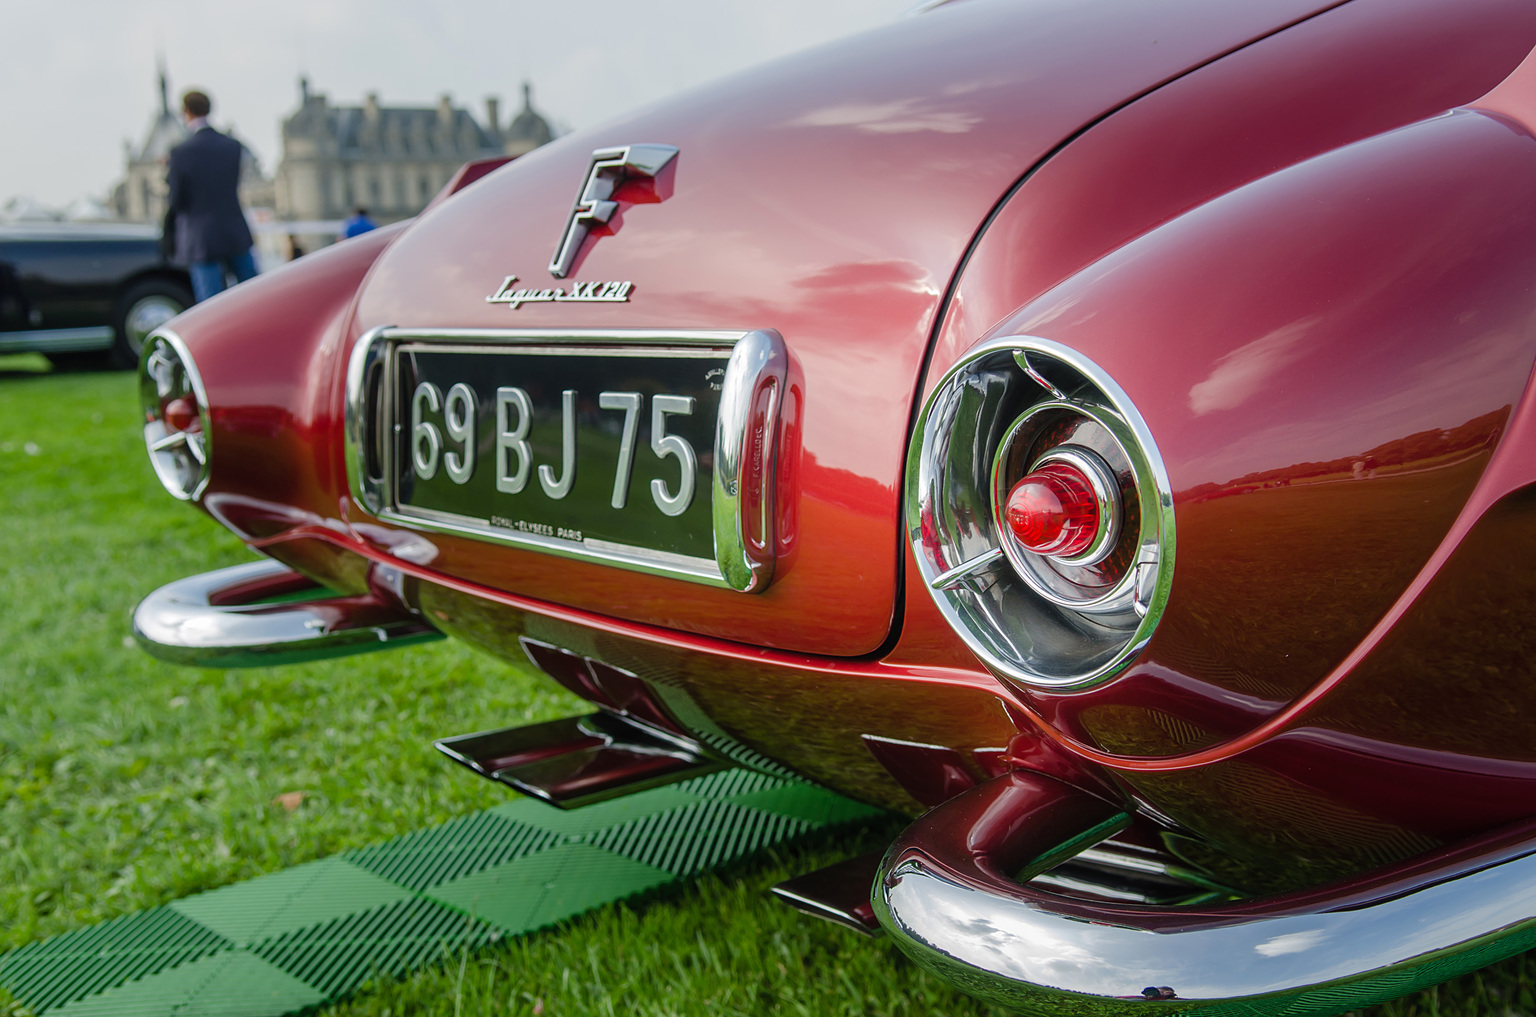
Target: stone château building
column 389, row 159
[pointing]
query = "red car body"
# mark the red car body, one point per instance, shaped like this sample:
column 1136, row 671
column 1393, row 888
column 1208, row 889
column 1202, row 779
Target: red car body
column 1299, row 236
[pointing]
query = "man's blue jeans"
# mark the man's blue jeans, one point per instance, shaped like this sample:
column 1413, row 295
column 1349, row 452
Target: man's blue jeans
column 210, row 277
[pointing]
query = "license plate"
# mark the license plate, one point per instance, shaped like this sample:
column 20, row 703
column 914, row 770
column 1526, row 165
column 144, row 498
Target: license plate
column 652, row 451
column 606, row 453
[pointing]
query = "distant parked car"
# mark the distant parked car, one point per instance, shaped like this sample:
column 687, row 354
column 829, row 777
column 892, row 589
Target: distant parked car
column 85, row 295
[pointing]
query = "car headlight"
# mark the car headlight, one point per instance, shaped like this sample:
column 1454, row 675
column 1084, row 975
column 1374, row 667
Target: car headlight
column 176, row 424
column 1040, row 513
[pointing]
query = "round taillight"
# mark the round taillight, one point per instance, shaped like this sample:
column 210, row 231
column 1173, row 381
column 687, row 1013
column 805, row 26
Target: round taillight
column 1040, row 513
column 175, row 409
column 181, row 414
column 1054, row 511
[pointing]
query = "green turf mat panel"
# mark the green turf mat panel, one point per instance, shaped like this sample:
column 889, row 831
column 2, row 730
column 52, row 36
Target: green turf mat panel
column 436, row 855
column 230, row 984
column 339, row 955
column 591, row 819
column 309, row 935
column 733, row 783
column 295, row 898
column 79, row 963
column 549, row 886
column 669, row 841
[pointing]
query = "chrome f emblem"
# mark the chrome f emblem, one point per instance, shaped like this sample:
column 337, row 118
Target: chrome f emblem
column 610, row 168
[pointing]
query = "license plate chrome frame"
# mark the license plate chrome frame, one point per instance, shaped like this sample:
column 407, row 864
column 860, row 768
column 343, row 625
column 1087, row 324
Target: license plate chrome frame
column 742, row 490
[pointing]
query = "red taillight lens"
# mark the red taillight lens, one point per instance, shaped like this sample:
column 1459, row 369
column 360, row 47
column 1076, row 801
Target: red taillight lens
column 180, row 414
column 1054, row 510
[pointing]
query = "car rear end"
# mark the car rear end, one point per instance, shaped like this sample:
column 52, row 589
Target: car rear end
column 794, row 424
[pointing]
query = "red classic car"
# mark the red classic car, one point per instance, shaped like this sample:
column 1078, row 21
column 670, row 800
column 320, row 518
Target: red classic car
column 1100, row 425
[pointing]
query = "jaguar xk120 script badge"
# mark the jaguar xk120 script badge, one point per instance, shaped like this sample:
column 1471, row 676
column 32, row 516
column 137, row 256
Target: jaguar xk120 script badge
column 579, row 293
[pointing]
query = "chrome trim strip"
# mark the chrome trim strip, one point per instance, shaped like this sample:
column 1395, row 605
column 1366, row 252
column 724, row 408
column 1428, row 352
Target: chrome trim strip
column 648, row 556
column 680, row 351
column 746, row 446
column 1122, row 860
column 58, row 340
column 979, row 565
column 751, row 394
column 1021, row 357
column 606, row 337
column 369, row 355
column 1072, row 885
column 638, row 559
column 202, row 621
column 944, row 897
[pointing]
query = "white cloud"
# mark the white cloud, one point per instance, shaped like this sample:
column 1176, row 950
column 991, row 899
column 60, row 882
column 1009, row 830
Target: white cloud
column 902, row 116
column 1244, row 371
column 1291, row 942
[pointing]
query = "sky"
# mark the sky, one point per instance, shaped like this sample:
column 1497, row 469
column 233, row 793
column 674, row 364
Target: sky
column 79, row 76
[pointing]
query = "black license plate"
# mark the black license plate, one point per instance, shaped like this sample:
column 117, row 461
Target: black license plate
column 598, row 453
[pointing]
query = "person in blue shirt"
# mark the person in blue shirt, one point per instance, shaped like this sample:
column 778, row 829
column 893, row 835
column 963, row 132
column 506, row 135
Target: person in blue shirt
column 357, row 224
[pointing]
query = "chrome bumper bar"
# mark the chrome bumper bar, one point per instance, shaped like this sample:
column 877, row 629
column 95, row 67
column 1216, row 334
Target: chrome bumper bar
column 241, row 617
column 950, row 893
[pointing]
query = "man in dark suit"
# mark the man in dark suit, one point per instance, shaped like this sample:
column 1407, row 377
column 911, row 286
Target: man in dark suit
column 204, row 224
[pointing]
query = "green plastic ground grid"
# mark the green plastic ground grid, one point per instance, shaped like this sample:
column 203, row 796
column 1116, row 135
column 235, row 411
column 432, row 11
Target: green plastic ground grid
column 309, row 935
column 436, row 855
column 394, row 939
column 667, row 840
column 88, row 960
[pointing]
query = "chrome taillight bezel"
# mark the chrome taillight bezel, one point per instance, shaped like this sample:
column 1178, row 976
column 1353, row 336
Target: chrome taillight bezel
column 181, row 457
column 1023, row 614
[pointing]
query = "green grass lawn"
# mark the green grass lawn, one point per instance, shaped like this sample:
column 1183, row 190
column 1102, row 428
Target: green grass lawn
column 126, row 783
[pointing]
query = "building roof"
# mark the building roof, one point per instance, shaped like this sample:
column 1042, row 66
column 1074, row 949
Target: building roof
column 425, row 132
column 443, row 132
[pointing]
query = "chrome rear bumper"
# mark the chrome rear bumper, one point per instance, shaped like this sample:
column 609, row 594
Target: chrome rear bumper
column 950, row 892
column 239, row 617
